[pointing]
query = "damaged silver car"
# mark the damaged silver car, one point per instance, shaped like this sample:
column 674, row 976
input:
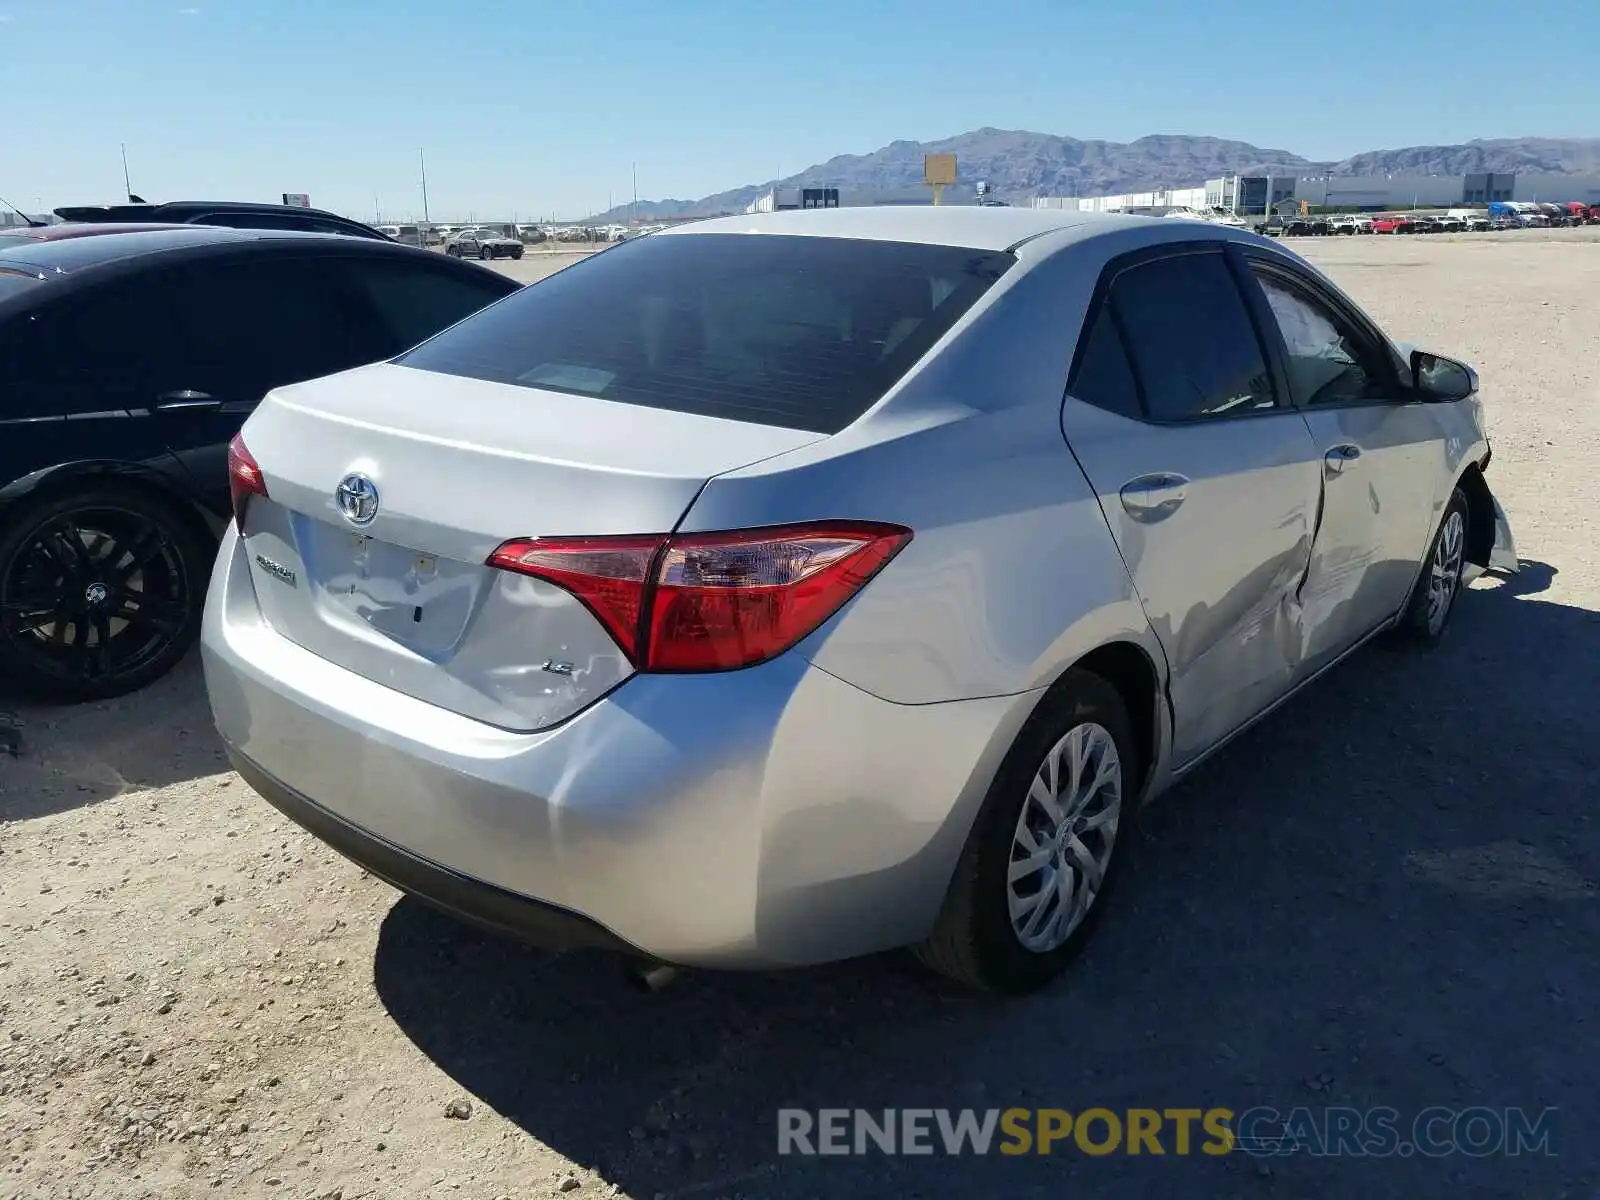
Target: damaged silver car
column 755, row 601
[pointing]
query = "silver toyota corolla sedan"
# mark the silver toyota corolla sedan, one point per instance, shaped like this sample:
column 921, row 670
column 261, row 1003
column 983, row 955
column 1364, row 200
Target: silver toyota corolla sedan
column 789, row 587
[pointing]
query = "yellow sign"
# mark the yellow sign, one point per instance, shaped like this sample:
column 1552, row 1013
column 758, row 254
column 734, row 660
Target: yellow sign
column 938, row 170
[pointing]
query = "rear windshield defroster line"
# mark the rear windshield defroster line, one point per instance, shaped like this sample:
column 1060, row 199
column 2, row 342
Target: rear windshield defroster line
column 800, row 332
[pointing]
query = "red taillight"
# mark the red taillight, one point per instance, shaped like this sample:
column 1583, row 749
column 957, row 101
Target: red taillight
column 711, row 601
column 244, row 477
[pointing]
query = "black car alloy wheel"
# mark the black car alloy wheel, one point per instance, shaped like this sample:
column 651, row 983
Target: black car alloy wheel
column 96, row 600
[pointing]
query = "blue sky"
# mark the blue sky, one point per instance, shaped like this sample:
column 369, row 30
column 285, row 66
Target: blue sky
column 544, row 109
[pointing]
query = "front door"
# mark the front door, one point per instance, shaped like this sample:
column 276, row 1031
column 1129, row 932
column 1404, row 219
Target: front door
column 1208, row 479
column 1381, row 454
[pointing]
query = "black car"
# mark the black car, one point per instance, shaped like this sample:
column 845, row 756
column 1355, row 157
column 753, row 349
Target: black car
column 234, row 214
column 127, row 363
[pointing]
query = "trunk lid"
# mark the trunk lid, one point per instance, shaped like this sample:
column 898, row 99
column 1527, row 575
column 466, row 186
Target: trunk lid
column 460, row 466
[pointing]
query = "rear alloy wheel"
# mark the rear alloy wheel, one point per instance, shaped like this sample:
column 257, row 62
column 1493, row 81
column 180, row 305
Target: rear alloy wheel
column 100, row 594
column 1433, row 600
column 1046, row 847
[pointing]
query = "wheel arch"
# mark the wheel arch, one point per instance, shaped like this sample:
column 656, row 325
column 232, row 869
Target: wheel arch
column 62, row 478
column 1128, row 668
column 1480, row 514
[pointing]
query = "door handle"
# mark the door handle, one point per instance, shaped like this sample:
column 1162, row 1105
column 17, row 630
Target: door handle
column 1154, row 497
column 1337, row 459
column 186, row 401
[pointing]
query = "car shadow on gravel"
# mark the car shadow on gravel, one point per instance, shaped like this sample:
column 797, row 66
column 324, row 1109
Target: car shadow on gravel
column 1382, row 896
column 78, row 754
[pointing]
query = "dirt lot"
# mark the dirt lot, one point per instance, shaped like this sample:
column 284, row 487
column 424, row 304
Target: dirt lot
column 1386, row 895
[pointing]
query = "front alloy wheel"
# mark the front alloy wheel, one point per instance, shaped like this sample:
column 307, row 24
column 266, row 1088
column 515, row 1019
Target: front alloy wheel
column 1433, row 599
column 1444, row 572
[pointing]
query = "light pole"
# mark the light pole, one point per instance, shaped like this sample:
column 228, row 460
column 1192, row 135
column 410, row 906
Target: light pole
column 127, row 187
column 422, row 162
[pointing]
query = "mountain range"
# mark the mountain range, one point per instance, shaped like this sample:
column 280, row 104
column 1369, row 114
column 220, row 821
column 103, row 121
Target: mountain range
column 1019, row 165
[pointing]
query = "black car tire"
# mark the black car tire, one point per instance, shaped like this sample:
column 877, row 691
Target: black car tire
column 484, row 253
column 973, row 940
column 133, row 537
column 1416, row 625
column 517, row 253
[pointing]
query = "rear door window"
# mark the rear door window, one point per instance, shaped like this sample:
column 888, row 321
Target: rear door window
column 801, row 332
column 1194, row 347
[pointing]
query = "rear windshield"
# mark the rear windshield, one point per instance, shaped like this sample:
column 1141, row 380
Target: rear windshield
column 801, row 332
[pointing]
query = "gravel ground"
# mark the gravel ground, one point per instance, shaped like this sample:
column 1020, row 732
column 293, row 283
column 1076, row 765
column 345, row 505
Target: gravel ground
column 1384, row 895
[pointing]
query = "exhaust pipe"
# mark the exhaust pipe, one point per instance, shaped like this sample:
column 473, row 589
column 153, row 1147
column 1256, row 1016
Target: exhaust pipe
column 652, row 977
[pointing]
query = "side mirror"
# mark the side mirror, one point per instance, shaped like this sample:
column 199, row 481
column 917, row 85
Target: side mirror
column 1441, row 379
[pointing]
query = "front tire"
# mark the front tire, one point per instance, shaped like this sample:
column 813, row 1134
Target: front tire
column 484, row 254
column 1433, row 599
column 1046, row 848
column 101, row 592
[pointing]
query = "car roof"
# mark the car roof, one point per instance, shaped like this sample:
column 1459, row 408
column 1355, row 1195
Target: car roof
column 969, row 226
column 73, row 229
column 121, row 242
column 184, row 208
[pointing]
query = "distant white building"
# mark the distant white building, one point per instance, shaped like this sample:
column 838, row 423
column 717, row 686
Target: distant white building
column 1254, row 194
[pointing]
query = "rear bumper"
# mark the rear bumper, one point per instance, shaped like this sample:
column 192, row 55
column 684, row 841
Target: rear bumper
column 468, row 899
column 774, row 816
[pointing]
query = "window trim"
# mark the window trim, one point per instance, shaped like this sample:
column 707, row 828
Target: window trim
column 1100, row 299
column 1371, row 338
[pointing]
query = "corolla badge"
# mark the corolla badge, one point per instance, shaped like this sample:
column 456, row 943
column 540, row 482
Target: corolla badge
column 357, row 498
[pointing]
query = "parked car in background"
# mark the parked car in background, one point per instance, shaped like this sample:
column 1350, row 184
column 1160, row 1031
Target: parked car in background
column 127, row 362
column 750, row 596
column 1390, row 224
column 233, row 214
column 1349, row 224
column 482, row 243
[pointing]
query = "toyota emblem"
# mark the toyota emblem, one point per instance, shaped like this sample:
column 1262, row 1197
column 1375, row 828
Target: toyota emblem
column 357, row 498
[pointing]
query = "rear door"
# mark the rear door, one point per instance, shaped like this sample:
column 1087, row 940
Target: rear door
column 1207, row 477
column 245, row 326
column 1383, row 455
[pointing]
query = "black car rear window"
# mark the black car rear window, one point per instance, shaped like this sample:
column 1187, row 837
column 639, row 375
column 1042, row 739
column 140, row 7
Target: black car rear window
column 801, row 332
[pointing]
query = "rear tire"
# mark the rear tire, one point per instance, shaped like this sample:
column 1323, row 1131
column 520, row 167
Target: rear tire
column 101, row 592
column 1025, row 900
column 1433, row 598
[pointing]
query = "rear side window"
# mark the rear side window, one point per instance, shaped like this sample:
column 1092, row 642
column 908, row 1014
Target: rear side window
column 415, row 302
column 801, row 332
column 1194, row 348
column 1104, row 377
